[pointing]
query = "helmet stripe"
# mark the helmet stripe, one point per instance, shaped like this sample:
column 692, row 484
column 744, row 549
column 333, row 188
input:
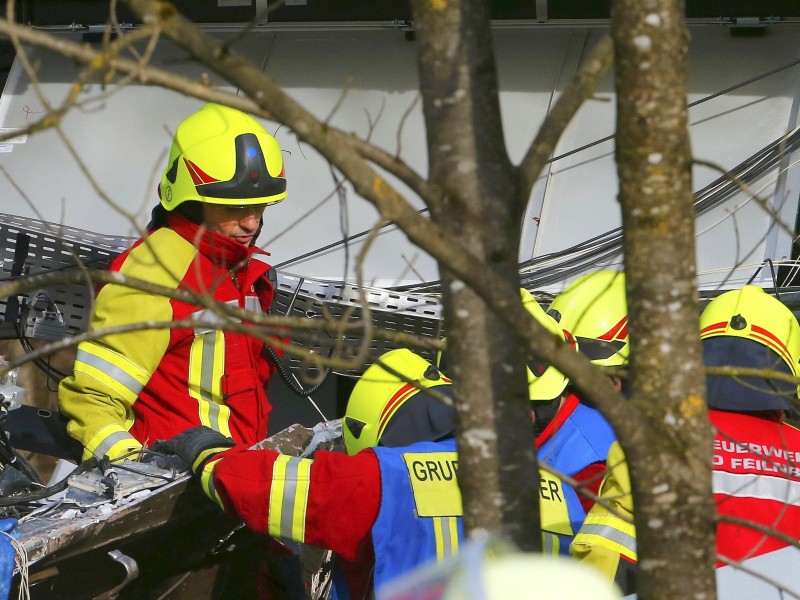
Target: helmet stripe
column 619, row 331
column 395, row 402
column 761, row 334
column 198, row 175
column 570, row 339
column 714, row 328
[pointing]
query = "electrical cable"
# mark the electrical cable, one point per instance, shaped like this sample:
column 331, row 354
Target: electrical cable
column 48, row 491
column 289, row 378
column 434, row 285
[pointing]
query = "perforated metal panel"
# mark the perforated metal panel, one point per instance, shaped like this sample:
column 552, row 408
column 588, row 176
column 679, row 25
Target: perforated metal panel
column 53, row 248
column 299, row 296
column 56, row 248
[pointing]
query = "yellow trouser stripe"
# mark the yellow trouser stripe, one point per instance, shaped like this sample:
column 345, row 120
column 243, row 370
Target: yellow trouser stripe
column 288, row 499
column 445, row 532
column 551, row 543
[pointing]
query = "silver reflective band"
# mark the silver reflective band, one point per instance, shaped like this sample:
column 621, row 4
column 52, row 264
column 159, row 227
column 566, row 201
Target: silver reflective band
column 253, row 304
column 208, row 316
column 764, row 487
column 106, row 445
column 550, row 542
column 446, row 529
column 114, row 372
column 289, row 496
column 610, row 533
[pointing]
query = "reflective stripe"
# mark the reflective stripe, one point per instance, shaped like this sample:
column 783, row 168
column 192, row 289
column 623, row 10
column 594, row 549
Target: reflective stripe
column 551, row 544
column 111, row 441
column 253, row 304
column 752, row 485
column 445, row 531
column 111, row 369
column 207, row 483
column 620, row 540
column 204, row 454
column 213, row 319
column 206, row 367
column 288, row 499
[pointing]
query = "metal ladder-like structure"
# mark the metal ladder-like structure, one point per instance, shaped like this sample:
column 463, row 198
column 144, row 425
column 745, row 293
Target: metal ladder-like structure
column 31, row 246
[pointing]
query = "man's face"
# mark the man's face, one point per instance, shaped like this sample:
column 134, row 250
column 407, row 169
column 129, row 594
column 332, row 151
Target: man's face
column 236, row 222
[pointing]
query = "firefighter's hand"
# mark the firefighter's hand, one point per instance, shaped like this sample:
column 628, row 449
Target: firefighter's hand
column 164, row 461
column 195, row 446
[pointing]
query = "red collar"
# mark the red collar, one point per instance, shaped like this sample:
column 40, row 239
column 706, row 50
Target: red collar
column 569, row 406
column 219, row 249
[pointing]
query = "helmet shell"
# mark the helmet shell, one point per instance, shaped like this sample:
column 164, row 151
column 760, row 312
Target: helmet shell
column 380, row 393
column 594, row 309
column 545, row 382
column 221, row 155
column 526, row 576
column 749, row 328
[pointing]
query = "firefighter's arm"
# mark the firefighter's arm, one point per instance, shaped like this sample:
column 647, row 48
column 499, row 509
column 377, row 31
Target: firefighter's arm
column 330, row 501
column 109, row 372
column 607, row 538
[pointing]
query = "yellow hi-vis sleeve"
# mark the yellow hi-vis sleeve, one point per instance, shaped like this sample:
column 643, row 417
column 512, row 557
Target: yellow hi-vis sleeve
column 110, row 372
column 606, row 535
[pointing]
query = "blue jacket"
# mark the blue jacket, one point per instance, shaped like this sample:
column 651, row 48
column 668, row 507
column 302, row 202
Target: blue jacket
column 583, row 438
column 414, row 528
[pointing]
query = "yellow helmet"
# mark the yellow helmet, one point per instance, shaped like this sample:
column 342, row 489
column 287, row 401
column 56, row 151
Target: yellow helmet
column 594, row 309
column 749, row 328
column 545, row 382
column 379, row 411
column 221, row 155
column 526, row 576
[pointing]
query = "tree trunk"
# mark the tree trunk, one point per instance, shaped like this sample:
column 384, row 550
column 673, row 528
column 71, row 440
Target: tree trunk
column 670, row 457
column 480, row 204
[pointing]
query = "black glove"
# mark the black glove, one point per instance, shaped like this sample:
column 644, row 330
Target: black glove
column 196, row 446
column 163, row 461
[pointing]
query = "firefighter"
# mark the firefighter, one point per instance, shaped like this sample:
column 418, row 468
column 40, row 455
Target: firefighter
column 130, row 389
column 389, row 505
column 594, row 309
column 755, row 451
column 572, row 436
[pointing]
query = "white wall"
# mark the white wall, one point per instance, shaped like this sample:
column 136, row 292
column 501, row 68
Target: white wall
column 123, row 138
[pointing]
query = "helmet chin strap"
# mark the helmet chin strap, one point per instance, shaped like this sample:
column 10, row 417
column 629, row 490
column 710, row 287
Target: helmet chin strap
column 258, row 231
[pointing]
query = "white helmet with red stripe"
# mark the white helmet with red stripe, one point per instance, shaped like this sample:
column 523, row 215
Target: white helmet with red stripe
column 593, row 308
column 390, row 404
column 749, row 328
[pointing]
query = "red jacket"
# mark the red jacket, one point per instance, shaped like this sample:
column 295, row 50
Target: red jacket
column 334, row 501
column 756, row 478
column 131, row 389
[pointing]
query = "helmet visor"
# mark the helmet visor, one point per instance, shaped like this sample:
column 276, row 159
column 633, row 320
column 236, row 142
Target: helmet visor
column 595, row 349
